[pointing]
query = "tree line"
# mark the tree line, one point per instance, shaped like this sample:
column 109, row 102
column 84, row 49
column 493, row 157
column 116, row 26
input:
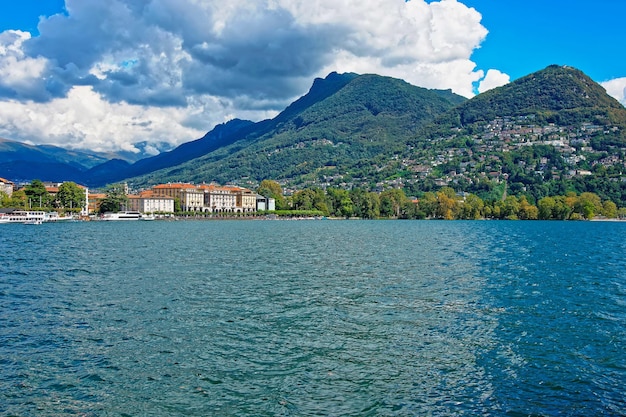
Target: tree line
column 69, row 199
column 443, row 204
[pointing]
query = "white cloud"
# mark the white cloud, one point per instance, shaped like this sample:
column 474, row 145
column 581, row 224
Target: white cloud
column 84, row 120
column 181, row 66
column 493, row 79
column 616, row 88
column 20, row 75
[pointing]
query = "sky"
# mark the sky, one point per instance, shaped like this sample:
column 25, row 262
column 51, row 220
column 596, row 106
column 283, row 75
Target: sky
column 147, row 75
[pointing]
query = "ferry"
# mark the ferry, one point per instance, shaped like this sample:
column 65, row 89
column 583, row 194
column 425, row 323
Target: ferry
column 31, row 217
column 122, row 215
column 22, row 216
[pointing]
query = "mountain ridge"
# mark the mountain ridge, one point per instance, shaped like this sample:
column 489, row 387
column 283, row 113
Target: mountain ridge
column 372, row 131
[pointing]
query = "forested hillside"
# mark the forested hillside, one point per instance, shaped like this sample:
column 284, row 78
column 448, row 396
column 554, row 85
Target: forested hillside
column 368, row 120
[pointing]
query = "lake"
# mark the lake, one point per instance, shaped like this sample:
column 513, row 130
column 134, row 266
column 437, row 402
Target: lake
column 313, row 318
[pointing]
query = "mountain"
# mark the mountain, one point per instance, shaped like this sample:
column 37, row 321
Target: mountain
column 118, row 170
column 549, row 133
column 343, row 121
column 560, row 95
column 22, row 161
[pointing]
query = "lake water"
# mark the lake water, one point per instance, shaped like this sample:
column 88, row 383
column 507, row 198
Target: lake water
column 313, row 318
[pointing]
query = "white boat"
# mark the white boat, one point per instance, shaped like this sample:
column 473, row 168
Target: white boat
column 147, row 217
column 22, row 216
column 122, row 215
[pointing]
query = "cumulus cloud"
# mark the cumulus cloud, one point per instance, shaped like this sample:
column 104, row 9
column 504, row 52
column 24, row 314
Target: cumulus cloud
column 493, row 79
column 83, row 119
column 617, row 89
column 196, row 63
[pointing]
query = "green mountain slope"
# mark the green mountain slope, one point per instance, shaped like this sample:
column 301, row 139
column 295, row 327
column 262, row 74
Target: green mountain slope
column 558, row 94
column 549, row 133
column 327, row 132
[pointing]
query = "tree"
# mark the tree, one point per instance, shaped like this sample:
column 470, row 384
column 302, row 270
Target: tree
column 340, row 202
column 71, row 197
column 472, row 208
column 17, row 200
column 37, row 195
column 545, row 208
column 588, row 205
column 510, row 208
column 115, row 198
column 609, row 209
column 428, row 204
column 447, row 204
column 366, row 204
column 272, row 189
column 526, row 210
column 391, row 202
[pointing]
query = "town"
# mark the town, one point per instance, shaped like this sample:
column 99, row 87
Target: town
column 162, row 198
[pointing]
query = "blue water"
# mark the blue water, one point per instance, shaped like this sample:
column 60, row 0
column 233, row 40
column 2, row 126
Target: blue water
column 313, row 318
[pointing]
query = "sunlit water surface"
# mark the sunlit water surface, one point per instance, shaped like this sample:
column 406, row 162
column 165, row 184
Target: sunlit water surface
column 305, row 318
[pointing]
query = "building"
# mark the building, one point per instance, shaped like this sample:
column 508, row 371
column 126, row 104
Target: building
column 265, row 203
column 147, row 202
column 245, row 200
column 219, row 199
column 6, row 186
column 191, row 198
column 53, row 189
column 209, row 198
column 93, row 202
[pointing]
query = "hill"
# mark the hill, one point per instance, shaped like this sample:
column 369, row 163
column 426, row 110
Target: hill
column 548, row 133
column 560, row 95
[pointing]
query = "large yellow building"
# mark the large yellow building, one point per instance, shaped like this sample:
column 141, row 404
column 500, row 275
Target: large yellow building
column 209, row 198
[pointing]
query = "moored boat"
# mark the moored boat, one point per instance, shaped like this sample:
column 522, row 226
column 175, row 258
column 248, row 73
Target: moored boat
column 122, row 215
column 22, row 216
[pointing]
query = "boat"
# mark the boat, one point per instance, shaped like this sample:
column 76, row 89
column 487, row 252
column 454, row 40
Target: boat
column 22, row 216
column 147, row 217
column 122, row 215
column 34, row 221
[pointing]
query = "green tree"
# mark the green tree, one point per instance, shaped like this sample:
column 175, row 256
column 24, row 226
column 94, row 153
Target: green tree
column 472, row 208
column 609, row 209
column 510, row 208
column 391, row 202
column 115, row 198
column 272, row 189
column 71, row 197
column 588, row 205
column 309, row 200
column 366, row 204
column 447, row 204
column 340, row 202
column 17, row 200
column 37, row 195
column 428, row 204
column 545, row 208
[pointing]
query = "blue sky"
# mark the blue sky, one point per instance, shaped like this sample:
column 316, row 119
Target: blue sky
column 526, row 36
column 108, row 75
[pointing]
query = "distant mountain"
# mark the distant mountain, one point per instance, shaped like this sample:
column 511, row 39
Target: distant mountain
column 22, row 161
column 343, row 121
